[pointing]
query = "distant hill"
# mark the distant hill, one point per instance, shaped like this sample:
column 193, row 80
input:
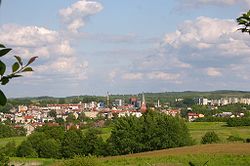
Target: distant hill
column 150, row 97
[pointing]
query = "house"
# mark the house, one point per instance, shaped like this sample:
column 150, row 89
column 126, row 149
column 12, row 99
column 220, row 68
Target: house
column 193, row 116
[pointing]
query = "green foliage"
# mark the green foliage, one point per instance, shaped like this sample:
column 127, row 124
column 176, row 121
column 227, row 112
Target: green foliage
column 4, row 159
column 17, row 69
column 50, row 148
column 9, row 149
column 209, row 138
column 72, row 143
column 151, row 132
column 244, row 22
column 233, row 122
column 26, row 150
column 55, row 132
column 9, row 131
column 233, row 138
column 92, row 143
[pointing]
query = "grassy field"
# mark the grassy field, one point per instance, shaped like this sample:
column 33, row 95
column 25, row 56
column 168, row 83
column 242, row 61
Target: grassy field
column 198, row 129
column 215, row 154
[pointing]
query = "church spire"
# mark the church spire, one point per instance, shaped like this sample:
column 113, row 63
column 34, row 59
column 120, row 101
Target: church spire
column 143, row 105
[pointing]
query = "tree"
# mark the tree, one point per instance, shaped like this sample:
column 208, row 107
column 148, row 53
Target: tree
column 9, row 149
column 152, row 131
column 50, row 148
column 71, row 144
column 25, row 149
column 17, row 69
column 244, row 22
column 209, row 138
column 92, row 144
column 4, row 160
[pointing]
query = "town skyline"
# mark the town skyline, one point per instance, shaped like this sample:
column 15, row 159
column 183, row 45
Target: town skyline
column 88, row 47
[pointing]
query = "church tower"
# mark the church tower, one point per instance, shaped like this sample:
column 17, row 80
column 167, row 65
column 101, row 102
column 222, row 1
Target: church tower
column 143, row 105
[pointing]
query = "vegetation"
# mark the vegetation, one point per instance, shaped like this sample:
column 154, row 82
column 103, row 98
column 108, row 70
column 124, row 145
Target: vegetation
column 233, row 138
column 233, row 122
column 9, row 131
column 209, row 138
column 244, row 22
column 152, row 131
column 17, row 69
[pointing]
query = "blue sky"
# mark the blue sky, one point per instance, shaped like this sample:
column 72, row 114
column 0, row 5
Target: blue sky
column 91, row 47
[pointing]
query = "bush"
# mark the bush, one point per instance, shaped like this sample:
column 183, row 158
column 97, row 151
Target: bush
column 233, row 138
column 234, row 122
column 210, row 137
column 248, row 140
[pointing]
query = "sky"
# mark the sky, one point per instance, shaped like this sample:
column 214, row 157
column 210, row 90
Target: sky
column 91, row 47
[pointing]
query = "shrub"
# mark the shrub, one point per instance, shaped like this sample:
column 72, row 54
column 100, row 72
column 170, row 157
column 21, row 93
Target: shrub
column 234, row 122
column 248, row 140
column 210, row 137
column 233, row 138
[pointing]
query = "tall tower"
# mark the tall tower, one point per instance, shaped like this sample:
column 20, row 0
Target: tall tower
column 143, row 105
column 107, row 99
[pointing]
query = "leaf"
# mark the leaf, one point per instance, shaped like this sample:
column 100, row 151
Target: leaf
column 2, row 46
column 3, row 99
column 4, row 51
column 32, row 60
column 15, row 67
column 27, row 69
column 16, row 76
column 18, row 58
column 2, row 68
column 4, row 80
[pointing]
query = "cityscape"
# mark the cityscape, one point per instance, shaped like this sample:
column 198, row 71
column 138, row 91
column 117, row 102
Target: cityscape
column 124, row 83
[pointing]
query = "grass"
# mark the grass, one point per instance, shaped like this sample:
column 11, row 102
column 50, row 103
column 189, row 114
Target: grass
column 215, row 154
column 18, row 140
column 198, row 129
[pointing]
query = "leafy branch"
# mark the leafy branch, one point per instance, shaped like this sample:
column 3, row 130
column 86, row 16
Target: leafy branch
column 17, row 69
column 244, row 22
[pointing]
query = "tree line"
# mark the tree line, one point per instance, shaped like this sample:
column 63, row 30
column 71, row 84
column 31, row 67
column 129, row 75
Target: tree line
column 153, row 131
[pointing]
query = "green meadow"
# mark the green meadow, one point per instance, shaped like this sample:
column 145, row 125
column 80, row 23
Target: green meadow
column 216, row 154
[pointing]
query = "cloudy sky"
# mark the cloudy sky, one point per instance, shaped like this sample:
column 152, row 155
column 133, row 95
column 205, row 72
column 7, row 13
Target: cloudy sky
column 94, row 46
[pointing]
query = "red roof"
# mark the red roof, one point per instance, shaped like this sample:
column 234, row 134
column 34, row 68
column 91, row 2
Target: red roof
column 28, row 117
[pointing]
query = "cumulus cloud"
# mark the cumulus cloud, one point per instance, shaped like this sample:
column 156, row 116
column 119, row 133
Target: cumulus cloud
column 204, row 48
column 213, row 72
column 197, row 3
column 163, row 76
column 56, row 55
column 76, row 15
column 132, row 76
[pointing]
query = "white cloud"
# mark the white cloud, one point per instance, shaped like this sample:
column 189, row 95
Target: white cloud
column 132, row 76
column 163, row 76
column 56, row 56
column 213, row 72
column 75, row 16
column 199, row 48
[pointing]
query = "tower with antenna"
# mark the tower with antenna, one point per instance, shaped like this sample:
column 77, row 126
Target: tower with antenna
column 143, row 105
column 108, row 102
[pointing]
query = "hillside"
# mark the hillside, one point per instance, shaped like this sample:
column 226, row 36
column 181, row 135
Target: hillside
column 215, row 154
